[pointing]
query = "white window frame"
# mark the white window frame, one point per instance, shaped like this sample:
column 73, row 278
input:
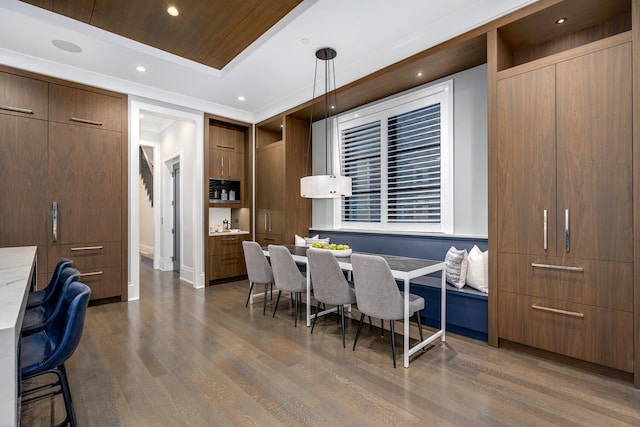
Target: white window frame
column 407, row 101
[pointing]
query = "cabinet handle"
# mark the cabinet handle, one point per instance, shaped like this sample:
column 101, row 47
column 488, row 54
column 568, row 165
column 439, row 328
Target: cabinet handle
column 556, row 310
column 85, row 121
column 229, row 168
column 557, row 267
column 226, row 146
column 229, row 239
column 270, row 221
column 92, row 273
column 54, row 213
column 87, row 248
column 16, row 109
column 544, row 227
column 566, row 230
column 222, row 167
column 266, row 222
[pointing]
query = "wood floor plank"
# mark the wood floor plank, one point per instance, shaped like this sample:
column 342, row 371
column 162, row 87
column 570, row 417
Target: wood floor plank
column 197, row 357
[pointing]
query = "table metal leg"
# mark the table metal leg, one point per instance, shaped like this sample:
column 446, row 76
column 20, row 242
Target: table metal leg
column 406, row 322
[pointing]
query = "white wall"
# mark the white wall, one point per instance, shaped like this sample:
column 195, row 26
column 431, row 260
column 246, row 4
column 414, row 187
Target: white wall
column 470, row 156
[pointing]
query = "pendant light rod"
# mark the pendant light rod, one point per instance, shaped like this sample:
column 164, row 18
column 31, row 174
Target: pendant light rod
column 327, row 185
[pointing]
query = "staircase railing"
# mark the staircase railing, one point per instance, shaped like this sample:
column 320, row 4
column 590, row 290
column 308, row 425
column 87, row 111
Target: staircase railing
column 146, row 172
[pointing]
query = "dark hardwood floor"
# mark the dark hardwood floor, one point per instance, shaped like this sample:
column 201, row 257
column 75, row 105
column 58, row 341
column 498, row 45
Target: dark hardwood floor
column 186, row 357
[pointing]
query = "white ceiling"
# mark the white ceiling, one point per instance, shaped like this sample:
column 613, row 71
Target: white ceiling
column 273, row 74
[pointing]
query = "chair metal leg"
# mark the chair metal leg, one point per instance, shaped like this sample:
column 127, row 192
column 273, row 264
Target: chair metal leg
column 295, row 311
column 277, row 301
column 313, row 325
column 382, row 327
column 370, row 325
column 264, row 300
column 249, row 296
column 420, row 328
column 341, row 308
column 355, row 341
column 62, row 382
column 393, row 343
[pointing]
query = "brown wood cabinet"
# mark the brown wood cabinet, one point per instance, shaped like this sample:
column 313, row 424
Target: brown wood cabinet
column 228, row 161
column 564, row 204
column 270, row 193
column 64, row 158
column 24, row 186
column 280, row 163
column 226, row 256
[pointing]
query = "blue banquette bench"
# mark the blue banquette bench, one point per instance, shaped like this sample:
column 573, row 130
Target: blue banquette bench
column 466, row 307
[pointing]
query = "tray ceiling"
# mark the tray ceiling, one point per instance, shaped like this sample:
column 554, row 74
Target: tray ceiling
column 210, row 32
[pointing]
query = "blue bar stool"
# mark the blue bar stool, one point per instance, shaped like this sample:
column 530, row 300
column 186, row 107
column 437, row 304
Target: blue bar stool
column 46, row 351
column 42, row 296
column 39, row 317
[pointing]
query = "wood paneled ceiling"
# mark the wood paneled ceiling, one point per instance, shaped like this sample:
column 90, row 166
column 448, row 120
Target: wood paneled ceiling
column 210, row 32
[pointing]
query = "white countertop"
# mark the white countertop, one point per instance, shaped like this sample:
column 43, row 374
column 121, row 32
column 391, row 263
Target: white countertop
column 227, row 233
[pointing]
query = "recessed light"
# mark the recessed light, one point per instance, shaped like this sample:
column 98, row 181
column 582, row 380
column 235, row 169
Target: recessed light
column 561, row 20
column 67, row 46
column 173, row 11
column 141, row 116
column 419, row 74
column 304, row 40
column 241, row 98
column 141, row 69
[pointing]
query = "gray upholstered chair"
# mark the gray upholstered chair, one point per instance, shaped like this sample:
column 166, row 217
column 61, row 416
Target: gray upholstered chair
column 287, row 276
column 258, row 270
column 378, row 295
column 329, row 284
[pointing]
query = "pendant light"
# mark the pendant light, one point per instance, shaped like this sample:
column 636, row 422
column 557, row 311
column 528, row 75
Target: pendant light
column 329, row 185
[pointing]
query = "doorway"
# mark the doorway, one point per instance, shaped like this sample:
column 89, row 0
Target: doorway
column 175, row 173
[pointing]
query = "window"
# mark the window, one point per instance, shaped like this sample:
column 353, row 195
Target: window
column 398, row 154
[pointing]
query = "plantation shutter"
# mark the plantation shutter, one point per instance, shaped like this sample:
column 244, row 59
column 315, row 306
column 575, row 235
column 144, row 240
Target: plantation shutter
column 413, row 166
column 360, row 160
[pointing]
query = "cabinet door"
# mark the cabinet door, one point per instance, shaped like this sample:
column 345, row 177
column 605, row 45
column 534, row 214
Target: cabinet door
column 23, row 187
column 22, row 96
column 594, row 155
column 85, row 170
column 84, row 108
column 270, row 188
column 226, row 164
column 526, row 162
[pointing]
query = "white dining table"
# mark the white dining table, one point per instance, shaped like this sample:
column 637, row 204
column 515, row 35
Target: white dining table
column 402, row 268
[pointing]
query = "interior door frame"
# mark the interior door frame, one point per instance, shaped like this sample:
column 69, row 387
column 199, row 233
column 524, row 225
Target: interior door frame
column 135, row 106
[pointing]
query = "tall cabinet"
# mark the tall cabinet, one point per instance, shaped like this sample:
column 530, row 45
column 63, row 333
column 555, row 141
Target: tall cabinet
column 562, row 202
column 281, row 153
column 227, row 162
column 65, row 161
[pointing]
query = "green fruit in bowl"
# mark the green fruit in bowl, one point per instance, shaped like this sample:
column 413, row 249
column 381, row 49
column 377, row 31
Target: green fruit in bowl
column 332, row 246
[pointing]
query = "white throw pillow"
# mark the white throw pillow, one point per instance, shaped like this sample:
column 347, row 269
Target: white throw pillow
column 478, row 269
column 456, row 266
column 299, row 241
column 305, row 241
column 311, row 240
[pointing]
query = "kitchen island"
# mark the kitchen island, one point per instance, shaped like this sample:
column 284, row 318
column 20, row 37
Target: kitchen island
column 17, row 269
